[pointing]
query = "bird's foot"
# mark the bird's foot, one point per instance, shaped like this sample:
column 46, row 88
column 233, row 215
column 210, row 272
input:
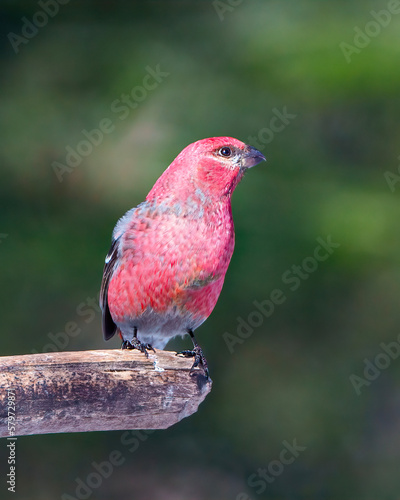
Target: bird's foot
column 136, row 344
column 199, row 359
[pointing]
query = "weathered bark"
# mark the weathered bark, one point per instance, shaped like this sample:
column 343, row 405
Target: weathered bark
column 98, row 390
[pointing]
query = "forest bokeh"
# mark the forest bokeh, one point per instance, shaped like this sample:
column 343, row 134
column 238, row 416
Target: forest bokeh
column 313, row 84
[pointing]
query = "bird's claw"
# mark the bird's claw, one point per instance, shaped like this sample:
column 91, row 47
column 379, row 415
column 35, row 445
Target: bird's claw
column 136, row 344
column 199, row 359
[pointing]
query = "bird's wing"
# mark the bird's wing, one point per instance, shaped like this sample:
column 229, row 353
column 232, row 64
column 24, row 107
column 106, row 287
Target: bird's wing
column 109, row 327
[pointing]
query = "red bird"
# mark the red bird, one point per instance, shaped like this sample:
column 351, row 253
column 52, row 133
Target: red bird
column 169, row 255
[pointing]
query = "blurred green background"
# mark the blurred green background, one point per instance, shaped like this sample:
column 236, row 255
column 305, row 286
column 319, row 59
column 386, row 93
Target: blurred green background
column 231, row 66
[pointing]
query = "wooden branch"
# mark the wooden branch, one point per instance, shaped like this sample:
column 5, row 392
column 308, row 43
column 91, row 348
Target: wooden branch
column 98, row 390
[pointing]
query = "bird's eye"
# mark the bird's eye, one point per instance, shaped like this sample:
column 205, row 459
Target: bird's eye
column 225, row 151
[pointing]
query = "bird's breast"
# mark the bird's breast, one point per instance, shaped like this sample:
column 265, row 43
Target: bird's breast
column 172, row 262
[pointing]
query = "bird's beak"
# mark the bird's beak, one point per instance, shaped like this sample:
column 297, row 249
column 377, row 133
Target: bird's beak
column 251, row 157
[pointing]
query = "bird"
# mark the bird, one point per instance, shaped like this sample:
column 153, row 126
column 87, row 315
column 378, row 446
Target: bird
column 169, row 255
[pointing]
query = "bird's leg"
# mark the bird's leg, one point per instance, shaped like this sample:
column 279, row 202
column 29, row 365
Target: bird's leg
column 136, row 344
column 197, row 353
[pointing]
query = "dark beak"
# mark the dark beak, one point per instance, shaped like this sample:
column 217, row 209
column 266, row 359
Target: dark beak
column 251, row 157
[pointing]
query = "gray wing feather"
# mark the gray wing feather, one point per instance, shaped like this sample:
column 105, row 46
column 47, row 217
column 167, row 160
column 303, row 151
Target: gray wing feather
column 109, row 327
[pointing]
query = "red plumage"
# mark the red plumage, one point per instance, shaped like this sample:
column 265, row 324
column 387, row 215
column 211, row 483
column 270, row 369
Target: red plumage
column 169, row 256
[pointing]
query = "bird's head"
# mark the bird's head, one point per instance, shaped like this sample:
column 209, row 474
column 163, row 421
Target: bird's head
column 215, row 166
